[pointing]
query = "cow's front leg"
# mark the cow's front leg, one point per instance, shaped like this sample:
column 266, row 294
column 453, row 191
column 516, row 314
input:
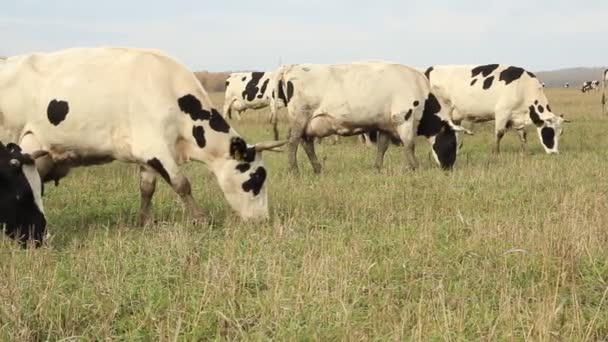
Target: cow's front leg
column 499, row 130
column 308, row 143
column 147, row 186
column 382, row 142
column 523, row 138
column 410, row 154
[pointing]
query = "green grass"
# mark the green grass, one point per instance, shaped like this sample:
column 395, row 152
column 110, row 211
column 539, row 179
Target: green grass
column 508, row 247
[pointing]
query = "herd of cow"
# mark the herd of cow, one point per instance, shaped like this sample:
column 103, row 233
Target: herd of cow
column 88, row 106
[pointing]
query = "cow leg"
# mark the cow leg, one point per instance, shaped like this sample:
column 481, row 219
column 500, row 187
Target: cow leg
column 523, row 137
column 308, row 144
column 295, row 136
column 500, row 129
column 407, row 133
column 147, row 186
column 168, row 169
column 410, row 155
column 382, row 142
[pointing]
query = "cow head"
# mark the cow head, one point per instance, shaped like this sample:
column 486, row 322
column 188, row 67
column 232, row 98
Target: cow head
column 548, row 125
column 437, row 126
column 21, row 212
column 242, row 177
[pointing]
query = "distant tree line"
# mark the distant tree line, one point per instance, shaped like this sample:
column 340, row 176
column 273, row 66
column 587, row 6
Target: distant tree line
column 213, row 81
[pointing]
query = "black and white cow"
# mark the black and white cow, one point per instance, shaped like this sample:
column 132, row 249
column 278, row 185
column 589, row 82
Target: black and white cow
column 590, row 85
column 566, row 85
column 250, row 90
column 21, row 211
column 87, row 106
column 511, row 96
column 349, row 99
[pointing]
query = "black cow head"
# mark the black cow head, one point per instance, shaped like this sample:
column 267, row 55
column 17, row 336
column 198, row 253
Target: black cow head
column 21, row 212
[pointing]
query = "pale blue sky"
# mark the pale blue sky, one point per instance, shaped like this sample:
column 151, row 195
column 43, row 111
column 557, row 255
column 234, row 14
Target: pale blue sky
column 236, row 35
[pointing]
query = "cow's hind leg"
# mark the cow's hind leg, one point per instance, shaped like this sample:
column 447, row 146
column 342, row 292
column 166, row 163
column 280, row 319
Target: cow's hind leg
column 167, row 168
column 308, row 144
column 295, row 136
column 523, row 138
column 500, row 128
column 147, row 186
column 382, row 142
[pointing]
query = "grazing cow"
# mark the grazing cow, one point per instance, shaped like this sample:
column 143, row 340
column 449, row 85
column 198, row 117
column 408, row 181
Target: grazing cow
column 349, row 99
column 88, row 106
column 590, row 85
column 21, row 212
column 604, row 92
column 542, row 84
column 511, row 96
column 566, row 85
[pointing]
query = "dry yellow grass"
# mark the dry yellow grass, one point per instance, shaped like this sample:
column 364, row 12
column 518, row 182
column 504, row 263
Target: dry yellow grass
column 508, row 247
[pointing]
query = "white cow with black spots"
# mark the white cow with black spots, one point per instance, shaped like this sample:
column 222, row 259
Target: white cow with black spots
column 511, row 96
column 88, row 106
column 348, row 99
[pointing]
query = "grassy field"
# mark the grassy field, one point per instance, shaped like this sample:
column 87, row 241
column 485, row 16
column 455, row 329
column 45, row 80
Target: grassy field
column 508, row 247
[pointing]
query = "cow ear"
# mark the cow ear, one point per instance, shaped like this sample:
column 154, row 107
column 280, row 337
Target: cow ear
column 238, row 148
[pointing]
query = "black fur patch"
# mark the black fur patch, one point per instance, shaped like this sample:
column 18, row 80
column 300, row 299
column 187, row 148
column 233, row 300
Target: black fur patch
column 217, row 122
column 243, row 167
column 538, row 122
column 548, row 135
column 428, row 71
column 530, row 74
column 535, row 102
column 227, row 83
column 158, row 167
column 430, row 124
column 198, row 132
column 408, row 115
column 251, row 89
column 263, row 89
column 445, row 148
column 289, row 91
column 484, row 70
column 190, row 105
column 473, row 82
column 487, row 83
column 511, row 74
column 256, row 181
column 240, row 151
column 541, row 109
column 416, row 103
column 549, row 108
column 244, row 78
column 57, row 111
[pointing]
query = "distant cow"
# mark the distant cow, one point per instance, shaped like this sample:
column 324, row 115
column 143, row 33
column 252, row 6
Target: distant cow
column 88, row 106
column 566, row 85
column 249, row 90
column 511, row 96
column 21, row 211
column 590, row 85
column 348, row 99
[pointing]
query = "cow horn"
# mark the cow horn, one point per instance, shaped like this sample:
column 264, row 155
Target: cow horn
column 269, row 146
column 37, row 154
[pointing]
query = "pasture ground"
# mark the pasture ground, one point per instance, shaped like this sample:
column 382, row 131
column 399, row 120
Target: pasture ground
column 508, row 247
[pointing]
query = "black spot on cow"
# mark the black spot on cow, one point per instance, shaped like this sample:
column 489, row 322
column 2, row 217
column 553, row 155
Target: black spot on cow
column 473, row 82
column 256, row 181
column 227, row 83
column 217, row 122
column 289, row 91
column 487, row 83
column 509, row 124
column 484, row 70
column 243, row 167
column 549, row 108
column 239, row 150
column 538, row 122
column 428, row 71
column 445, row 147
column 430, row 124
column 263, row 89
column 408, row 115
column 251, row 89
column 57, row 111
column 530, row 74
column 198, row 132
column 416, row 103
column 541, row 109
column 244, row 78
column 160, row 169
column 548, row 135
column 511, row 74
column 535, row 102
column 190, row 105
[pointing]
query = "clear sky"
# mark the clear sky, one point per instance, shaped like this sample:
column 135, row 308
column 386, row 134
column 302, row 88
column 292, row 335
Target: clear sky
column 258, row 34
